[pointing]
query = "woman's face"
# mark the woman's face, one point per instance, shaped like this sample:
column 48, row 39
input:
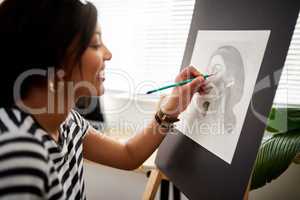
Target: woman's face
column 90, row 80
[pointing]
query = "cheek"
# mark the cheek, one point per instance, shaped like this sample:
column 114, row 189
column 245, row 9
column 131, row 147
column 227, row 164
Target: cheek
column 91, row 62
column 217, row 66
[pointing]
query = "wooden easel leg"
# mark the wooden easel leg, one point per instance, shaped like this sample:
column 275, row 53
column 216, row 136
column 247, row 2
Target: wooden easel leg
column 152, row 184
column 155, row 179
column 246, row 195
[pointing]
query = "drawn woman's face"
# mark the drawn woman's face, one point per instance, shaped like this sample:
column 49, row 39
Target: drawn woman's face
column 224, row 89
column 220, row 80
column 219, row 84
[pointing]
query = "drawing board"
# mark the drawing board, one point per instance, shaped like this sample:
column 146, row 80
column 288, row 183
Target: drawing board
column 214, row 120
column 203, row 166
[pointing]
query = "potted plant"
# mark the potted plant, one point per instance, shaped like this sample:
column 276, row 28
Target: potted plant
column 280, row 149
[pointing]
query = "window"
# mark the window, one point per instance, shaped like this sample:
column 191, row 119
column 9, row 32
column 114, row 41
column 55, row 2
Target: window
column 147, row 39
column 288, row 92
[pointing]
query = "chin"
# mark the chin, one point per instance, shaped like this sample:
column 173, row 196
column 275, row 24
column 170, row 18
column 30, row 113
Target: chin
column 100, row 91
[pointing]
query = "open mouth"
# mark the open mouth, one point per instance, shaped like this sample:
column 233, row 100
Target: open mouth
column 101, row 76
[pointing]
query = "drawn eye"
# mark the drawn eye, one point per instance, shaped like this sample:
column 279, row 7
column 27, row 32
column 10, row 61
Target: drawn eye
column 217, row 68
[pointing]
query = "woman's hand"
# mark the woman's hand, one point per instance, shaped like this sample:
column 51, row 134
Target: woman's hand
column 181, row 96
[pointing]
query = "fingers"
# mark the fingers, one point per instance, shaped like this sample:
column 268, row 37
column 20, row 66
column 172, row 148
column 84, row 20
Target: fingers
column 187, row 73
column 202, row 90
column 196, row 84
column 194, row 72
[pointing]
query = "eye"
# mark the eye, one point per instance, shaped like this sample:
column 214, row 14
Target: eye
column 96, row 46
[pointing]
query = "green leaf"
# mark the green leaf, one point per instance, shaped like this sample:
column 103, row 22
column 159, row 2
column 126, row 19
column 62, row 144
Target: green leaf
column 283, row 120
column 275, row 156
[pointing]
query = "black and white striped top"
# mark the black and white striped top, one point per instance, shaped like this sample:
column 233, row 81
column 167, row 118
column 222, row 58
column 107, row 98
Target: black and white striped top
column 33, row 165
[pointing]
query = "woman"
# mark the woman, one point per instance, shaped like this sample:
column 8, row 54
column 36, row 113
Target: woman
column 55, row 54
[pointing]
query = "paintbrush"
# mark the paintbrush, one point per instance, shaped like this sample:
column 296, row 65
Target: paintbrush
column 178, row 84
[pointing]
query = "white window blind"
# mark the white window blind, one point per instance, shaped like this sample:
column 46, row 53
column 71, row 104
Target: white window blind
column 147, row 39
column 288, row 92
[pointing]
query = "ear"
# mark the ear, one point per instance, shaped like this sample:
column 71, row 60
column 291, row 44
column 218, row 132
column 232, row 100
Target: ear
column 60, row 74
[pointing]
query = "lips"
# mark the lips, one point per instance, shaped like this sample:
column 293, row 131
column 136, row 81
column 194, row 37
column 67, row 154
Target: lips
column 101, row 76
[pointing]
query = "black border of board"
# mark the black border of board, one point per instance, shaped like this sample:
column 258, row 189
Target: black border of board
column 195, row 171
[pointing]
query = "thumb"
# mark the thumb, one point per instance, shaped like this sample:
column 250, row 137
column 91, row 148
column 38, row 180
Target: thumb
column 195, row 85
column 161, row 99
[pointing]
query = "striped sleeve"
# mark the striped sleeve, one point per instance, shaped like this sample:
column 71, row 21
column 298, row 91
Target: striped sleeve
column 83, row 124
column 24, row 168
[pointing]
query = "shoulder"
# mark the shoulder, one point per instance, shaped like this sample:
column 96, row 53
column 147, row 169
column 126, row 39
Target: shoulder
column 23, row 150
column 24, row 165
column 22, row 142
column 82, row 123
column 18, row 132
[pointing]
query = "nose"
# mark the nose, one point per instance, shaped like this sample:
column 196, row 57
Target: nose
column 107, row 54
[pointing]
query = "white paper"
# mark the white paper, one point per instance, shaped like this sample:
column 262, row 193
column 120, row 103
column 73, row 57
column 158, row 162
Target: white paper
column 215, row 120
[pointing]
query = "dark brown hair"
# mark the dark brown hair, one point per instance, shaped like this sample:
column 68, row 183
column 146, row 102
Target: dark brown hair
column 37, row 34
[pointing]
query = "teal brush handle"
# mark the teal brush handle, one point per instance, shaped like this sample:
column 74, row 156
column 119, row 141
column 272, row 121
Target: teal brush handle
column 176, row 84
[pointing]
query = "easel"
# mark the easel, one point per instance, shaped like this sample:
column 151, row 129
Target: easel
column 155, row 178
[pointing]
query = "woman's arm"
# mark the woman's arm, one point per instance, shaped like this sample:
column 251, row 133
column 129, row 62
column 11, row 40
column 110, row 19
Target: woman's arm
column 104, row 150
column 130, row 155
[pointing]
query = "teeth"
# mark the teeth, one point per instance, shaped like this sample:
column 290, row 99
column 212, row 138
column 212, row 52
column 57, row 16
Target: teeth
column 101, row 75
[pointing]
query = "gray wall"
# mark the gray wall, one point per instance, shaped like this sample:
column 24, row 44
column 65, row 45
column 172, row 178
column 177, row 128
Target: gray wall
column 113, row 184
